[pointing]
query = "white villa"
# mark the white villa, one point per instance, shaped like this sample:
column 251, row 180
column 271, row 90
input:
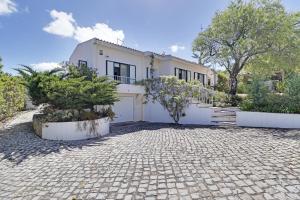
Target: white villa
column 127, row 66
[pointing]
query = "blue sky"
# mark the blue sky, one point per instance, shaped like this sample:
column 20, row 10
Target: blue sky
column 46, row 31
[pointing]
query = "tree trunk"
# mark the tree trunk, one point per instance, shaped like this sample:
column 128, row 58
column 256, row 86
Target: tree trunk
column 233, row 85
column 233, row 90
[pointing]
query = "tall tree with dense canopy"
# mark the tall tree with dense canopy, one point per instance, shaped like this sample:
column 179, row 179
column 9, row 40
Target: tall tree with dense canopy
column 245, row 31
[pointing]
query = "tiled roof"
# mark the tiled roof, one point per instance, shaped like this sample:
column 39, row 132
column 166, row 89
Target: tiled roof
column 150, row 52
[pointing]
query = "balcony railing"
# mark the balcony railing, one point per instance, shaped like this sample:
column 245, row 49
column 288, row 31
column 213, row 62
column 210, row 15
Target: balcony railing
column 123, row 79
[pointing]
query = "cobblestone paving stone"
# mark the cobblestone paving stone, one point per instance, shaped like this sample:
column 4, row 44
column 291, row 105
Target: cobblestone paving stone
column 152, row 161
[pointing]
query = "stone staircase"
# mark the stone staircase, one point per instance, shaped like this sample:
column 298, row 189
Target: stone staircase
column 224, row 116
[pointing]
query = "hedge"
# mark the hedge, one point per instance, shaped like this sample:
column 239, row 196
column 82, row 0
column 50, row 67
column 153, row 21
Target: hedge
column 12, row 95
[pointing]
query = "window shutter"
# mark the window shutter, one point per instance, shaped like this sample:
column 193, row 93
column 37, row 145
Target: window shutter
column 109, row 68
column 132, row 73
column 188, row 75
column 177, row 72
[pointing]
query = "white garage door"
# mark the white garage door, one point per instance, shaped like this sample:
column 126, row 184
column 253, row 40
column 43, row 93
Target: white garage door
column 124, row 110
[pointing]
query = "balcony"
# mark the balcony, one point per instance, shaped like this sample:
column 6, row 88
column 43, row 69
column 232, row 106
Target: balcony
column 122, row 79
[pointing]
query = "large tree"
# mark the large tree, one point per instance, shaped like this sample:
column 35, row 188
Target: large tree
column 245, row 31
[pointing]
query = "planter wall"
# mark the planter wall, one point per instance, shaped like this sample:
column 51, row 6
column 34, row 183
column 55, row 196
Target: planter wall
column 71, row 130
column 267, row 120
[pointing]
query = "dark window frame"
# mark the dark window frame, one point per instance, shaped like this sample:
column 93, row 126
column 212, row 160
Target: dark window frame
column 180, row 74
column 116, row 62
column 82, row 62
column 197, row 77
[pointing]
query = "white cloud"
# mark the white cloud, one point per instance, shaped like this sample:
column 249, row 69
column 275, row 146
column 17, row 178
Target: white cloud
column 101, row 31
column 175, row 48
column 7, row 7
column 45, row 66
column 65, row 25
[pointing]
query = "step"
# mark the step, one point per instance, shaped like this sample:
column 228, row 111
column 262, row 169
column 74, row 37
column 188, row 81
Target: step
column 229, row 109
column 224, row 119
column 223, row 113
column 223, row 123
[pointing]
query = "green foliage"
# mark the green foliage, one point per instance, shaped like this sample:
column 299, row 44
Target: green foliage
column 36, row 82
column 82, row 71
column 242, row 88
column 292, row 91
column 262, row 100
column 173, row 94
column 67, row 115
column 12, row 95
column 245, row 31
column 221, row 99
column 279, row 87
column 223, row 82
column 258, row 92
column 78, row 89
column 78, row 93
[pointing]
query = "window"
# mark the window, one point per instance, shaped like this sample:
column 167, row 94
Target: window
column 200, row 77
column 82, row 63
column 183, row 74
column 101, row 52
column 121, row 72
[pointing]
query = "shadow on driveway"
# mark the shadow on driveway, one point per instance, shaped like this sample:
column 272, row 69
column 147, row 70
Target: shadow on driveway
column 18, row 142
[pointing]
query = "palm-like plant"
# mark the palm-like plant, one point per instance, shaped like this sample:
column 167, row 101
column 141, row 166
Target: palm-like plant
column 28, row 71
column 33, row 82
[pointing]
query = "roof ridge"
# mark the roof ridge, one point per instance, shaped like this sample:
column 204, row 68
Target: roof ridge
column 162, row 55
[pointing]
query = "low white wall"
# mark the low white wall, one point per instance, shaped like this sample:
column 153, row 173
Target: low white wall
column 74, row 130
column 267, row 120
column 130, row 89
column 154, row 112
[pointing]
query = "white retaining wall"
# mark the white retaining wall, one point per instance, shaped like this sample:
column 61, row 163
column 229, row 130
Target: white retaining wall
column 74, row 130
column 267, row 120
column 154, row 112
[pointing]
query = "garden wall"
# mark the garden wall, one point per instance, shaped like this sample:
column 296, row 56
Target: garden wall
column 195, row 114
column 267, row 120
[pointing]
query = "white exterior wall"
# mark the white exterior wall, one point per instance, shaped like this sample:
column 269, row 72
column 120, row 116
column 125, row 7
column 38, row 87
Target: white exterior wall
column 164, row 66
column 122, row 56
column 74, row 130
column 154, row 112
column 267, row 120
column 83, row 51
column 89, row 51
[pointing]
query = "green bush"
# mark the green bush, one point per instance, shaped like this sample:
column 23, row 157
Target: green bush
column 78, row 93
column 12, row 95
column 242, row 88
column 223, row 82
column 262, row 100
column 292, row 92
column 68, row 95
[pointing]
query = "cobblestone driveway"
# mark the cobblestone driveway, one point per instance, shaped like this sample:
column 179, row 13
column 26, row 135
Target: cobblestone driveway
column 152, row 161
